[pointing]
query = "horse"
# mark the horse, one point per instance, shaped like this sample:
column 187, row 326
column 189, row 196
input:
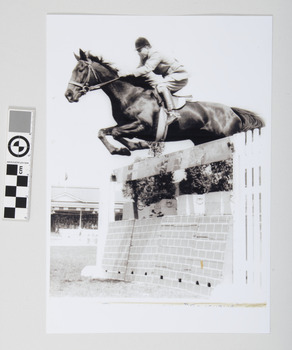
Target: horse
column 136, row 109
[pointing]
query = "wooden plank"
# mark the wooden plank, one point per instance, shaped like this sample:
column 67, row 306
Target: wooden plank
column 198, row 155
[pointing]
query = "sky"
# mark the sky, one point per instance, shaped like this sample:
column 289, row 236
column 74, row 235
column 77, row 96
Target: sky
column 229, row 59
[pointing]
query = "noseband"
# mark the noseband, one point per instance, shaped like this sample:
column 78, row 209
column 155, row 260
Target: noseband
column 85, row 86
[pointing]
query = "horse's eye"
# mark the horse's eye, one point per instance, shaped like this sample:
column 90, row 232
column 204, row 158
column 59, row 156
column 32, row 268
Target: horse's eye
column 80, row 67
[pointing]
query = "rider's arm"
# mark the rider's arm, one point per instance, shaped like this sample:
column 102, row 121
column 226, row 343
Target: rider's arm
column 149, row 66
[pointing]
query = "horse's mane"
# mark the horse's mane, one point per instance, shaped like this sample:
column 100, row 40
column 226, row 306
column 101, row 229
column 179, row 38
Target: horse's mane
column 136, row 81
column 100, row 60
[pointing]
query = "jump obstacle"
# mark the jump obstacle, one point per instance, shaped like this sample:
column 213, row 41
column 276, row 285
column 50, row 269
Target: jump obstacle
column 194, row 252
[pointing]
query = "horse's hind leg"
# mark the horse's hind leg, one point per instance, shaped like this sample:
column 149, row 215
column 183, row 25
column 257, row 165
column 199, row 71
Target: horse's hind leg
column 112, row 149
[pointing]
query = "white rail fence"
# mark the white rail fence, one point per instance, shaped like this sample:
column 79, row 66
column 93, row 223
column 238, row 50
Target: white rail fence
column 251, row 191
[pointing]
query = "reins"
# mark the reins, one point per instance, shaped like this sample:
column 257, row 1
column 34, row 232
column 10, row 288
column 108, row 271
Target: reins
column 100, row 85
column 85, row 86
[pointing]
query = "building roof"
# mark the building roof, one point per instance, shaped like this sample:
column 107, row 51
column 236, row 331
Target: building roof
column 76, row 194
column 81, row 195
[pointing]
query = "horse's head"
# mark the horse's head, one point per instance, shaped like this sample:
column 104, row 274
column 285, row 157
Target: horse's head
column 88, row 73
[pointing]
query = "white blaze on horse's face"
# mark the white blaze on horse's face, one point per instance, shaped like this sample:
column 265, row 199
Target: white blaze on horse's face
column 76, row 86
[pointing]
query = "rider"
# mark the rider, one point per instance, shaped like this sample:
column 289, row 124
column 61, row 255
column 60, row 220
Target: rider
column 164, row 73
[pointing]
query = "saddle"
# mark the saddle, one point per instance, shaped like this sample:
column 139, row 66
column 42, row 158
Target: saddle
column 162, row 128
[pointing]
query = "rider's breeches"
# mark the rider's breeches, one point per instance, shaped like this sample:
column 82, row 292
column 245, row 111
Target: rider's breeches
column 168, row 85
column 173, row 82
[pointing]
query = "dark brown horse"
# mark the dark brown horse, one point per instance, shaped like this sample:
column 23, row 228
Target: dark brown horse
column 135, row 108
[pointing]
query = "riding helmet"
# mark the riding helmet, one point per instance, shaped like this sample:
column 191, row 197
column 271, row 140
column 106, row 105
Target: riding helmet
column 141, row 42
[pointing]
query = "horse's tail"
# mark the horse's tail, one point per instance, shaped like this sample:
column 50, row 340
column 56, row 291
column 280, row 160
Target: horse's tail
column 249, row 119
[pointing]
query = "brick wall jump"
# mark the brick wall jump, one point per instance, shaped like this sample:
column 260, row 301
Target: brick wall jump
column 180, row 252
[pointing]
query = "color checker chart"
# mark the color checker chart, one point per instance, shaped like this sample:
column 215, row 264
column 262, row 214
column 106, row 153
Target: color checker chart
column 18, row 164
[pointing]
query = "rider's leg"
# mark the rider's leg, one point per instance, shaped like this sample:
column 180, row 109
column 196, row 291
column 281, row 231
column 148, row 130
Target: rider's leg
column 165, row 86
column 167, row 97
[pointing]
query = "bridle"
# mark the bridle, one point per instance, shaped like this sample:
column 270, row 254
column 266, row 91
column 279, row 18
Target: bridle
column 85, row 86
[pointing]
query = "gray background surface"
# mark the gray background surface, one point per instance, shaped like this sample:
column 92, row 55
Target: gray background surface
column 23, row 244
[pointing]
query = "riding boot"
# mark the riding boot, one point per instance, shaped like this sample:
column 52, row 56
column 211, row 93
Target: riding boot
column 168, row 100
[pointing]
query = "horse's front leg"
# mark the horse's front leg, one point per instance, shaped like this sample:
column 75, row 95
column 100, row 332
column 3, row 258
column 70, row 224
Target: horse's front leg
column 130, row 130
column 112, row 149
column 133, row 145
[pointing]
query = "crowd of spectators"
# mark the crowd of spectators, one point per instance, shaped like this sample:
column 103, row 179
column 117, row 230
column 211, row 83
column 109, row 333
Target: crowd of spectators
column 72, row 221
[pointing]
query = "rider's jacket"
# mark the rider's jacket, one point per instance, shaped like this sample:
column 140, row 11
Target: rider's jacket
column 158, row 63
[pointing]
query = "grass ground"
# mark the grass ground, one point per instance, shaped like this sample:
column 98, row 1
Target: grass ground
column 66, row 281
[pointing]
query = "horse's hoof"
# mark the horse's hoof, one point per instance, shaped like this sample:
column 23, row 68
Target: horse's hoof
column 121, row 152
column 124, row 152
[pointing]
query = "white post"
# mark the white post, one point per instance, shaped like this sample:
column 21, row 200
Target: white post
column 265, row 211
column 239, row 233
column 105, row 215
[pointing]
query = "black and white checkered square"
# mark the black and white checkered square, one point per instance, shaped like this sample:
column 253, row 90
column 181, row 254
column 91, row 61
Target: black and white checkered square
column 16, row 194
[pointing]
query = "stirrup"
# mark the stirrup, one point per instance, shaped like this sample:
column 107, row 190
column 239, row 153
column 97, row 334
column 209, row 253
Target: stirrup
column 172, row 117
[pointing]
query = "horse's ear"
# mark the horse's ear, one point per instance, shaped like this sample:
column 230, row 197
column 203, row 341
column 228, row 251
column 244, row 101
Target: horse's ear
column 82, row 55
column 77, row 57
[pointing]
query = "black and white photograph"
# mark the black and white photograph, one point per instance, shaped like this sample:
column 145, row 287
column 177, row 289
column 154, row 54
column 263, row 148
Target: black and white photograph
column 158, row 173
